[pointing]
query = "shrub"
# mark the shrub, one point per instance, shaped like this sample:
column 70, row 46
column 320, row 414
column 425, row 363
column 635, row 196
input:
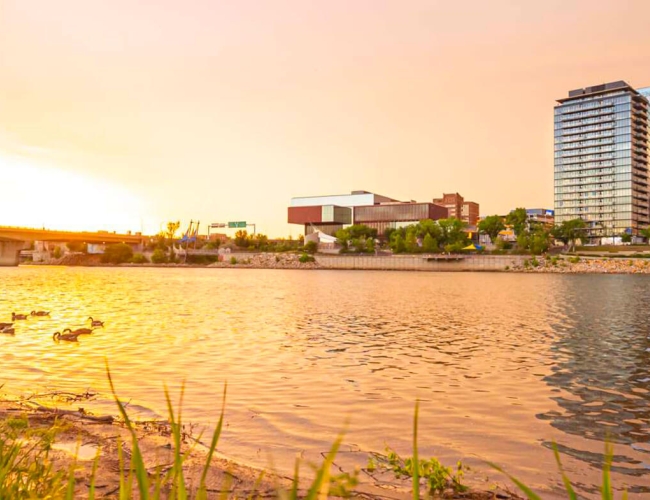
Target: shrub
column 117, row 253
column 502, row 244
column 534, row 262
column 138, row 258
column 57, row 253
column 306, row 258
column 507, row 268
column 311, row 247
column 233, row 261
column 159, row 256
column 574, row 260
column 202, row 259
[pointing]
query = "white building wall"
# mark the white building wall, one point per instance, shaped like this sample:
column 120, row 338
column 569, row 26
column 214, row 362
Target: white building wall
column 343, row 200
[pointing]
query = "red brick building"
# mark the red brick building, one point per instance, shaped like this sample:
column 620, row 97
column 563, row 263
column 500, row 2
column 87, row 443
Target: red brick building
column 458, row 208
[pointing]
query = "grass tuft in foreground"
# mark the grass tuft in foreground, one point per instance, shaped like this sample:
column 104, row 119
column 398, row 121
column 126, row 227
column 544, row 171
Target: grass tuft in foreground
column 26, row 470
column 438, row 478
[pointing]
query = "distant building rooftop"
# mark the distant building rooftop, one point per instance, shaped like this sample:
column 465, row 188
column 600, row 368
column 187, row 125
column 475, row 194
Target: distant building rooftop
column 598, row 89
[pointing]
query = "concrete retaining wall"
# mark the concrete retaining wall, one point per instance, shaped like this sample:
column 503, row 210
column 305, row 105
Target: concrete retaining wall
column 420, row 263
column 10, row 252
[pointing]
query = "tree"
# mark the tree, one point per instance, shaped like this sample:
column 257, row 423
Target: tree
column 262, row 241
column 626, row 238
column 117, row 253
column 428, row 226
column 492, row 225
column 518, row 219
column 411, row 241
column 646, row 234
column 356, row 237
column 172, row 227
column 159, row 256
column 452, row 232
column 429, row 245
column 342, row 238
column 569, row 231
column 539, row 241
column 241, row 238
column 397, row 243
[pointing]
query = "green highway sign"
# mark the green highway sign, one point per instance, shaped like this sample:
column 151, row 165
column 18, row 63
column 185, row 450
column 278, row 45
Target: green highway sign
column 237, row 224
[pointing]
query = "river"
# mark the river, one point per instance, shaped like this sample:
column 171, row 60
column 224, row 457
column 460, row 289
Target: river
column 504, row 364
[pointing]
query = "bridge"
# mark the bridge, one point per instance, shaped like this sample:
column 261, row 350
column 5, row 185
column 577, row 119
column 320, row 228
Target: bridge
column 15, row 239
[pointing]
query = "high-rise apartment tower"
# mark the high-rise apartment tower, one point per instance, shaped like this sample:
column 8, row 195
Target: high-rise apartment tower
column 601, row 159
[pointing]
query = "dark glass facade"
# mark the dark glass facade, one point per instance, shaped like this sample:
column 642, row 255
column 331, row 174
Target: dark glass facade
column 601, row 159
column 399, row 212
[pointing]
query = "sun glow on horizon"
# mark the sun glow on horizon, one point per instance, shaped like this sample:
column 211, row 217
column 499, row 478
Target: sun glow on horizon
column 55, row 198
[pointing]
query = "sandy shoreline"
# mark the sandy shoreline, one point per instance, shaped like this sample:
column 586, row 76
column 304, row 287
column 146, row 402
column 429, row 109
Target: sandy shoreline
column 86, row 435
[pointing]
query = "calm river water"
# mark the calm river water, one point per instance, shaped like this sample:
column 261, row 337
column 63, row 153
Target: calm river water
column 504, row 364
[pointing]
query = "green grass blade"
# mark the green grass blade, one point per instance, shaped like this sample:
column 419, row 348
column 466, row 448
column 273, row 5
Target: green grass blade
column 69, row 494
column 215, row 440
column 567, row 484
column 256, row 486
column 607, row 492
column 178, row 485
column 416, row 459
column 124, row 494
column 141, row 472
column 320, row 487
column 530, row 494
column 93, row 476
column 225, row 486
column 296, row 480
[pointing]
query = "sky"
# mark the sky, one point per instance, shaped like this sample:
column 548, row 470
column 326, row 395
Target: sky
column 119, row 115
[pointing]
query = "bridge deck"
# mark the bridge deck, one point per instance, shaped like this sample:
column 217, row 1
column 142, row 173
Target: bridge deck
column 31, row 234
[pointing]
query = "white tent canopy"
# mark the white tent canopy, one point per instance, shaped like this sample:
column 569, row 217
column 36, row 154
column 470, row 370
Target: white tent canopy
column 320, row 237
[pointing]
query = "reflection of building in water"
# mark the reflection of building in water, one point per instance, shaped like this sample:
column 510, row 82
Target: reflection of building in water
column 603, row 365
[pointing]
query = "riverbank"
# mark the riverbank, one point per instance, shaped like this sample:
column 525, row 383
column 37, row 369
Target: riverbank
column 582, row 265
column 77, row 439
column 561, row 264
column 81, row 437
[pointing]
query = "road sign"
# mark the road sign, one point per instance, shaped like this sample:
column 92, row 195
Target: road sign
column 237, row 224
column 218, row 224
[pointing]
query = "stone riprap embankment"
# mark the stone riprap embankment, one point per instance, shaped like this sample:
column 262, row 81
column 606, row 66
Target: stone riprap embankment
column 265, row 261
column 583, row 265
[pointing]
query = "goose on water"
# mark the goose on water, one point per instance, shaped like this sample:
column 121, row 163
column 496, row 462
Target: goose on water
column 8, row 330
column 6, row 325
column 15, row 316
column 95, row 322
column 78, row 331
column 40, row 313
column 70, row 337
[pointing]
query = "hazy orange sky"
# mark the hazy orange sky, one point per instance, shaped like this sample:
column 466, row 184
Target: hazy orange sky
column 124, row 114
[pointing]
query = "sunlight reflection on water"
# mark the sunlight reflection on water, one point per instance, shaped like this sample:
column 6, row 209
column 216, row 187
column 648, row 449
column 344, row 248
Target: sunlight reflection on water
column 504, row 364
